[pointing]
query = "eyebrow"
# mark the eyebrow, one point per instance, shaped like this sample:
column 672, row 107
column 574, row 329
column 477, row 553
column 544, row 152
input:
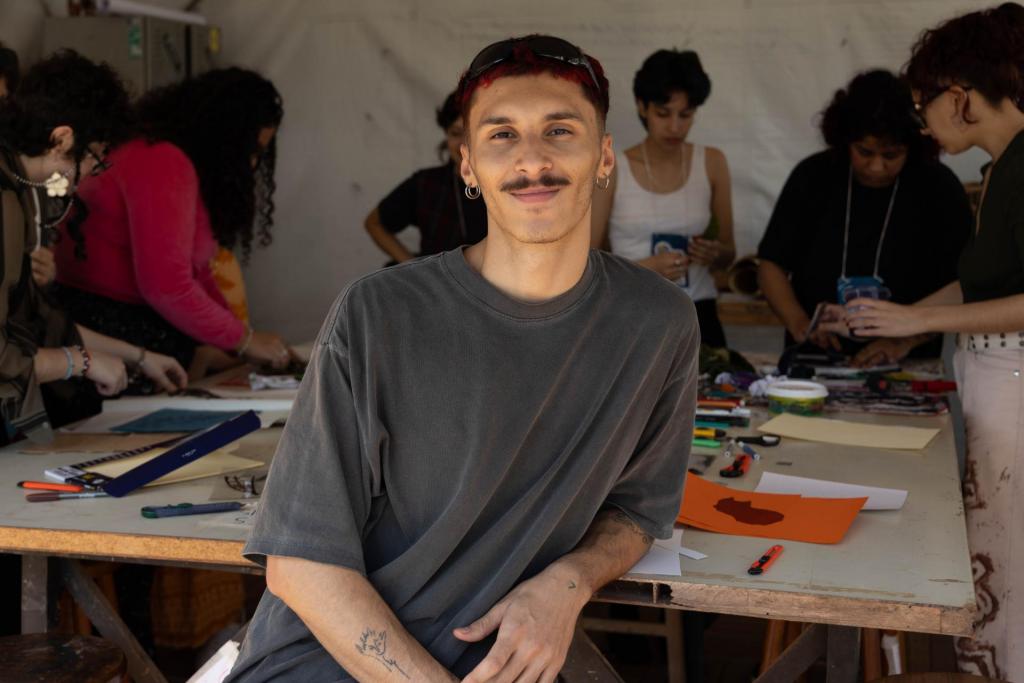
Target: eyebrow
column 553, row 116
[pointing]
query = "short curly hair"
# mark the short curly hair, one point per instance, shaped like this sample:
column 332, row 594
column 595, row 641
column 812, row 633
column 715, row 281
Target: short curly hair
column 983, row 50
column 216, row 118
column 875, row 103
column 66, row 89
column 669, row 71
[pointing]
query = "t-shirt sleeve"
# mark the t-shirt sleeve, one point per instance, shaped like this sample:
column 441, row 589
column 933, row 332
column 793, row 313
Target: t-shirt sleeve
column 397, row 211
column 318, row 496
column 650, row 487
column 785, row 225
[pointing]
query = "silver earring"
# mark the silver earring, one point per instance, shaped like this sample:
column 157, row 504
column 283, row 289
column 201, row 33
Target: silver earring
column 607, row 181
column 472, row 191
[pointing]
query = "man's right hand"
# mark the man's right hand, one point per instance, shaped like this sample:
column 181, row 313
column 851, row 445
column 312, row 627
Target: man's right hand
column 267, row 348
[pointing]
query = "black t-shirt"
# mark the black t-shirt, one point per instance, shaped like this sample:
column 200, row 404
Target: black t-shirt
column 992, row 264
column 930, row 222
column 431, row 199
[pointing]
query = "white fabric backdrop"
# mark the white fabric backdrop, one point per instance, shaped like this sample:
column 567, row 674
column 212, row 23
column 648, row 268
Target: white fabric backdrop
column 361, row 79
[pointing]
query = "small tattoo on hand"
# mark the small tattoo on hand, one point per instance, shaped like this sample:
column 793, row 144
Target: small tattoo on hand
column 375, row 644
column 572, row 585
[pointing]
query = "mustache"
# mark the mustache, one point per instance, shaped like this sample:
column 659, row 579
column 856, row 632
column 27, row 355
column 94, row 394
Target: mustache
column 523, row 183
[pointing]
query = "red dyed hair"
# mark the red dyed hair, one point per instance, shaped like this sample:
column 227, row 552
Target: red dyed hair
column 525, row 62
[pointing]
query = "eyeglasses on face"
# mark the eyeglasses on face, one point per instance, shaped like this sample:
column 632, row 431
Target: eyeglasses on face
column 926, row 98
column 102, row 163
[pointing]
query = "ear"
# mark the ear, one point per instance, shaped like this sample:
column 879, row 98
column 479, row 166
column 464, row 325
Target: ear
column 607, row 162
column 62, row 140
column 465, row 169
column 961, row 106
column 641, row 109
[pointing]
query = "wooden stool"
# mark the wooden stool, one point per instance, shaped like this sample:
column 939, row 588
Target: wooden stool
column 936, row 678
column 55, row 658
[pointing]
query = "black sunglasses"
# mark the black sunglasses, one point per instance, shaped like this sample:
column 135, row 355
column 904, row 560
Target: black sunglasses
column 548, row 47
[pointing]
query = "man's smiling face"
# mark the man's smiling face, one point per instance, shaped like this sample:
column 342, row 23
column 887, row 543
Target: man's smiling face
column 534, row 146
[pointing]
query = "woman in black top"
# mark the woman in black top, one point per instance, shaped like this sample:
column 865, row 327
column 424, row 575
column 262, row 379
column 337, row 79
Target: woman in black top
column 433, row 199
column 967, row 77
column 863, row 209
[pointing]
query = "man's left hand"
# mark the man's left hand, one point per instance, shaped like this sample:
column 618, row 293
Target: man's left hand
column 884, row 352
column 535, row 624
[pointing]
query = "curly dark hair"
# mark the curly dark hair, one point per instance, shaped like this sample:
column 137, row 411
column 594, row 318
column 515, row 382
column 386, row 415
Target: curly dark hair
column 66, row 89
column 982, row 50
column 875, row 103
column 669, row 71
column 216, row 119
column 10, row 69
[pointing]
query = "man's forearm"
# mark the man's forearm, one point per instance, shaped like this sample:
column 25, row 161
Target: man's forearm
column 612, row 545
column 352, row 621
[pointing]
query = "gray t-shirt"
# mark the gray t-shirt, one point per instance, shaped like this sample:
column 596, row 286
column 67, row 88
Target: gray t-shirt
column 449, row 442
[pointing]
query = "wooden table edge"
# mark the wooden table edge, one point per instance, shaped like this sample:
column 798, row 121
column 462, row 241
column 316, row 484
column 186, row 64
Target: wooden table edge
column 773, row 604
column 124, row 546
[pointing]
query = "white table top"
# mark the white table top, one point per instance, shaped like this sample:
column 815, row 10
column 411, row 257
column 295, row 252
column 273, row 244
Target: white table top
column 906, row 569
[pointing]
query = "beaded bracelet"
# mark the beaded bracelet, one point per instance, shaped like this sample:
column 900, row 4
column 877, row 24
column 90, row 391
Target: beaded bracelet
column 71, row 363
column 86, row 360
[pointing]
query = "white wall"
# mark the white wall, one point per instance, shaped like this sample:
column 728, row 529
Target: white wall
column 361, row 79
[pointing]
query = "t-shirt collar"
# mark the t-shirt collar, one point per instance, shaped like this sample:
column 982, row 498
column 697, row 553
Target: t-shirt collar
column 483, row 291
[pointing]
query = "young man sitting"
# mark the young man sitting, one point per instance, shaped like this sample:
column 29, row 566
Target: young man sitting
column 431, row 517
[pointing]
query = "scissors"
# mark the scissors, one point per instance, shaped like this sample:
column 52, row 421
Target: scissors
column 767, row 440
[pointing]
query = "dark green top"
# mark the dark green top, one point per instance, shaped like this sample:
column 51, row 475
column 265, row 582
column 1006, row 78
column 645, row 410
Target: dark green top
column 992, row 263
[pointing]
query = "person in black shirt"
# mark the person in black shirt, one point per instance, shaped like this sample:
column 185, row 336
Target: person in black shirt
column 966, row 76
column 875, row 204
column 433, row 199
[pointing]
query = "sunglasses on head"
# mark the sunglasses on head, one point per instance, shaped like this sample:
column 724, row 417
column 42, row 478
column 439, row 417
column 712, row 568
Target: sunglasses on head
column 548, row 47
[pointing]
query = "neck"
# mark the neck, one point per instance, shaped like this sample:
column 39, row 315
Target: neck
column 35, row 168
column 1001, row 132
column 532, row 272
column 660, row 154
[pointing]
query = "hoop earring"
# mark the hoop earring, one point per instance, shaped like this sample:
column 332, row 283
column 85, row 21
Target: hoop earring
column 607, row 181
column 472, row 191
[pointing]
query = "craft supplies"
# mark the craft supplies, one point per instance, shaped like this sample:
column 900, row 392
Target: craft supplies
column 797, row 396
column 55, row 495
column 181, row 509
column 762, row 563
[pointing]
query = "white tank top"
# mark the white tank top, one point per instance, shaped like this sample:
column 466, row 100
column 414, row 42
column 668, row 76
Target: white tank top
column 641, row 220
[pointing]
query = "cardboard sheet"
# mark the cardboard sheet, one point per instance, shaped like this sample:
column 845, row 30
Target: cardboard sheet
column 217, row 463
column 174, row 421
column 718, row 508
column 847, row 433
column 878, row 498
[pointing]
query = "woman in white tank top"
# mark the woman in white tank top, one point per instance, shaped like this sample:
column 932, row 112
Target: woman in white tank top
column 666, row 192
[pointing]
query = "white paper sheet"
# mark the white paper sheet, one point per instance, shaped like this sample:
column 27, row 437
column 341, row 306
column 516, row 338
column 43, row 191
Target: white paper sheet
column 878, row 498
column 658, row 561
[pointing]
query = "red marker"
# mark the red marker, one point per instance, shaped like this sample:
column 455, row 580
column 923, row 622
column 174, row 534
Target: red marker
column 765, row 561
column 50, row 486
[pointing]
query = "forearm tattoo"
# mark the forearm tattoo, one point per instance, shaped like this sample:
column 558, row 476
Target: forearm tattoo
column 622, row 518
column 375, row 644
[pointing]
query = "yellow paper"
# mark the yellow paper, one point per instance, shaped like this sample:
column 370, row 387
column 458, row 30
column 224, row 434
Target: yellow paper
column 216, row 463
column 847, row 433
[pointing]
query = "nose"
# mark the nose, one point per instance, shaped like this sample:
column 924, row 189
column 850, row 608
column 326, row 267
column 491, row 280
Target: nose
column 533, row 159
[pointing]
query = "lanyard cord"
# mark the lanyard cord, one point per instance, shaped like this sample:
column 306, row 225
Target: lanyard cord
column 885, row 225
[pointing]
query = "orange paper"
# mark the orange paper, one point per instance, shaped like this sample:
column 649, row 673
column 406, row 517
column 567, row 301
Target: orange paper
column 713, row 507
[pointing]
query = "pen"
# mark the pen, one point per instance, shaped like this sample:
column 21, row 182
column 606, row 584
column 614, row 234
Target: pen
column 53, row 495
column 765, row 561
column 50, row 486
column 711, row 424
column 750, row 451
column 155, row 511
column 706, row 443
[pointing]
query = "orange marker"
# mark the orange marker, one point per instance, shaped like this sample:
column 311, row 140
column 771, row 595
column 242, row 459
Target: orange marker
column 50, row 486
column 765, row 561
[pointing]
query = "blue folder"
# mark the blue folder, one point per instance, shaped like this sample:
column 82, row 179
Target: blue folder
column 189, row 450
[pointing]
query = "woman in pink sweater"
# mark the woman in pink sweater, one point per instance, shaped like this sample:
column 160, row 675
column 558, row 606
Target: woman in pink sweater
column 200, row 178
